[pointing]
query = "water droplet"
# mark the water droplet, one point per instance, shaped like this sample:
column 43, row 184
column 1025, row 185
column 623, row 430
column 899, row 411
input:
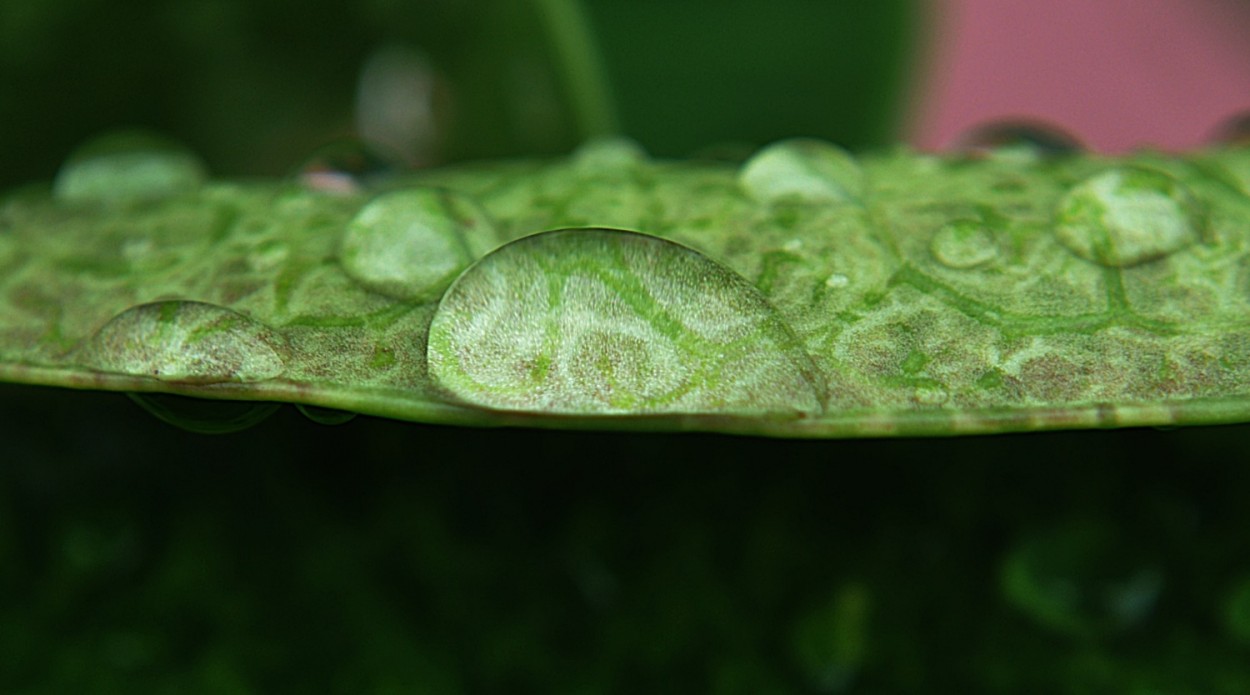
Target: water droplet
column 608, row 154
column 204, row 416
column 325, row 416
column 187, row 342
column 1018, row 139
column 809, row 171
column 1080, row 578
column 963, row 244
column 600, row 321
column 1234, row 131
column 410, row 244
column 128, row 166
column 345, row 167
column 1127, row 215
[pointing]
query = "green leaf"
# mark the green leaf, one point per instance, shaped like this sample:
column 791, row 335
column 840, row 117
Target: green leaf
column 806, row 293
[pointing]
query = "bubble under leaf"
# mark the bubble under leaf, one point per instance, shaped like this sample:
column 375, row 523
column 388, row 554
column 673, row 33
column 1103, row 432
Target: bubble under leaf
column 204, row 416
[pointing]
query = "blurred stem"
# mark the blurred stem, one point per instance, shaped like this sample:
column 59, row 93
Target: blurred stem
column 580, row 66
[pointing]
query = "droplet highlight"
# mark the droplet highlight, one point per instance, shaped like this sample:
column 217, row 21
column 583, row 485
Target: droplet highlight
column 410, row 244
column 963, row 244
column 608, row 322
column 1127, row 215
column 128, row 166
column 802, row 170
column 187, row 342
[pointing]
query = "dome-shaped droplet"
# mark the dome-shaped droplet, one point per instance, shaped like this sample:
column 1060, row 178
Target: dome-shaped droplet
column 598, row 321
column 325, row 416
column 963, row 244
column 802, row 170
column 1127, row 215
column 608, row 154
column 410, row 244
column 187, row 342
column 204, row 416
column 128, row 166
column 345, row 167
column 1025, row 139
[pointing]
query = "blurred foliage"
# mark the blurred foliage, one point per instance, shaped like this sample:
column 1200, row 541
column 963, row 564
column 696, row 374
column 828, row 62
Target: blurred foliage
column 379, row 556
column 255, row 86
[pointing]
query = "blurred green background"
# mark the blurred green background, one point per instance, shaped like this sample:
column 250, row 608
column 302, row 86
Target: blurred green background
column 379, row 556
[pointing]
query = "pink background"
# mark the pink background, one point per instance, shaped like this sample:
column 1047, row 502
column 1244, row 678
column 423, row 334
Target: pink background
column 1118, row 74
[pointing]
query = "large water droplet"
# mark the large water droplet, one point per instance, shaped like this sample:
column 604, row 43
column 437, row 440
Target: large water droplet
column 1080, row 578
column 599, row 321
column 204, row 416
column 128, row 166
column 345, row 167
column 410, row 244
column 963, row 244
column 1018, row 139
column 187, row 342
column 1127, row 215
column 809, row 171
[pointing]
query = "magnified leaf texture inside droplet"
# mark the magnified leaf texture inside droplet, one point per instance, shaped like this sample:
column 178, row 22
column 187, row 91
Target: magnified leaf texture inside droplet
column 807, row 292
column 584, row 321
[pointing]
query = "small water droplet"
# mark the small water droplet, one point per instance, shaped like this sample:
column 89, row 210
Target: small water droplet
column 410, row 244
column 608, row 154
column 599, row 321
column 345, row 167
column 325, row 416
column 1127, row 215
column 204, row 416
column 1234, row 131
column 802, row 170
column 836, row 281
column 963, row 244
column 128, row 166
column 1018, row 139
column 187, row 342
column 1080, row 578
